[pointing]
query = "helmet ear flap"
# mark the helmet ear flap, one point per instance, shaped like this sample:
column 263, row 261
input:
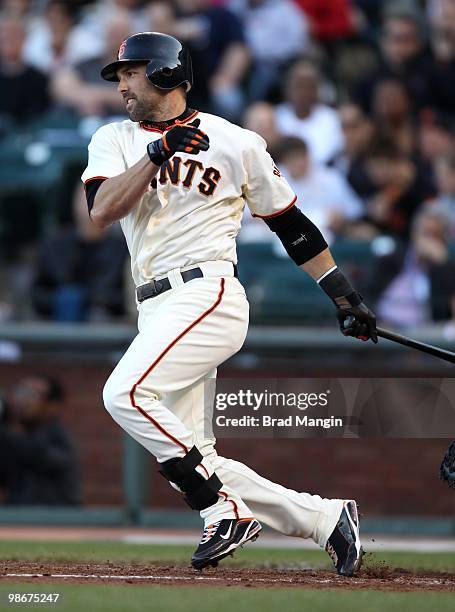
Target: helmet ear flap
column 167, row 74
column 158, row 72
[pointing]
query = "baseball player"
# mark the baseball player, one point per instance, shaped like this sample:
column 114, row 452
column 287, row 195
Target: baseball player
column 178, row 180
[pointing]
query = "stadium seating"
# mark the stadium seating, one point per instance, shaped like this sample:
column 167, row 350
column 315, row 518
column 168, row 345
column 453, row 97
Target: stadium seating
column 39, row 165
column 280, row 293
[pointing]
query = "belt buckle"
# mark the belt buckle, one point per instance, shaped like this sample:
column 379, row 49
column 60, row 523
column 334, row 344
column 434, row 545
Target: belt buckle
column 150, row 290
column 157, row 286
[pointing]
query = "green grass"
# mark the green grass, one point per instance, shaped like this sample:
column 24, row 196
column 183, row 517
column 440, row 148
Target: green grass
column 129, row 598
column 102, row 551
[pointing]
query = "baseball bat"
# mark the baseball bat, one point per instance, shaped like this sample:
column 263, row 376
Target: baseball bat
column 420, row 346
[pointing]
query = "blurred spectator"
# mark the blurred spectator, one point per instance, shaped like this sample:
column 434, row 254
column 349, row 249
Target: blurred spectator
column 397, row 188
column 260, row 117
column 391, row 111
column 394, row 120
column 220, row 56
column 445, row 184
column 371, row 11
column 59, row 40
column 415, row 284
column 129, row 5
column 160, row 15
column 436, row 134
column 41, row 463
column 302, row 114
column 80, row 87
column 322, row 193
column 442, row 29
column 80, row 270
column 402, row 57
column 99, row 13
column 28, row 9
column 16, row 8
column 353, row 63
column 443, row 44
column 358, row 134
column 276, row 33
column 25, row 88
column 330, row 20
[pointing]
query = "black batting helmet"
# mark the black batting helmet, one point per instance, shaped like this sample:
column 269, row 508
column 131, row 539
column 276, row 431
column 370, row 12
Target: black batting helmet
column 168, row 61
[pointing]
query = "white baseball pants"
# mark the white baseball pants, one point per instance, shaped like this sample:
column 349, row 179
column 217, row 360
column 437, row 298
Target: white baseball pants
column 156, row 393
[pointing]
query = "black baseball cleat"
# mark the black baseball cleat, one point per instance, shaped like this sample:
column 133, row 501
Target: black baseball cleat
column 222, row 538
column 344, row 544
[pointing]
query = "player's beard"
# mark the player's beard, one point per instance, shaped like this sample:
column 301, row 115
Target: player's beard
column 138, row 111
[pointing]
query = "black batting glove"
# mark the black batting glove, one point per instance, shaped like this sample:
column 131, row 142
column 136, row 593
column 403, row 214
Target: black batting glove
column 354, row 317
column 181, row 138
column 357, row 321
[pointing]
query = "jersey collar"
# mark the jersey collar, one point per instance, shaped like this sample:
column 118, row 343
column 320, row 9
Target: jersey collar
column 161, row 126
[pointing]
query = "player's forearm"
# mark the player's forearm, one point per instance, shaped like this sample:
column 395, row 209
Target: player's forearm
column 119, row 195
column 354, row 317
column 319, row 265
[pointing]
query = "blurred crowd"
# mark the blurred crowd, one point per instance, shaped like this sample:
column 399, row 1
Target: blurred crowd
column 355, row 99
column 39, row 464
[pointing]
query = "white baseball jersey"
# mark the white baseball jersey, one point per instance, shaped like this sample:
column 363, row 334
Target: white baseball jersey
column 192, row 210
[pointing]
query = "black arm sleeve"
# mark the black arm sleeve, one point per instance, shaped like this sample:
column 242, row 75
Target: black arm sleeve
column 300, row 237
column 91, row 188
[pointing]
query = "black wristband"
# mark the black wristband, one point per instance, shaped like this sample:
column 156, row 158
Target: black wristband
column 156, row 152
column 339, row 289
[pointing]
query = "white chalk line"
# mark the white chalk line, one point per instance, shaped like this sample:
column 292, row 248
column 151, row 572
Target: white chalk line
column 151, row 577
column 353, row 581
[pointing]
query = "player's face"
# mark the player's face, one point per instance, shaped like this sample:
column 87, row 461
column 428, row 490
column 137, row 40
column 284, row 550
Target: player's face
column 140, row 97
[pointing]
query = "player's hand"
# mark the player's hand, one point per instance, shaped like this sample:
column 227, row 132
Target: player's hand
column 358, row 321
column 181, row 138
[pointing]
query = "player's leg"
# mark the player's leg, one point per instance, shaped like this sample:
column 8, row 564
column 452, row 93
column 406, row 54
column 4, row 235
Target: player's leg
column 288, row 511
column 285, row 510
column 183, row 334
column 331, row 523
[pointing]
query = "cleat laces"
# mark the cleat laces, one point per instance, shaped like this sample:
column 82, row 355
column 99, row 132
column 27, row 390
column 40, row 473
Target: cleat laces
column 332, row 553
column 209, row 532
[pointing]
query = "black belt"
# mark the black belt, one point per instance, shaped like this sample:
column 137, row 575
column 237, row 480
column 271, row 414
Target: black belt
column 155, row 287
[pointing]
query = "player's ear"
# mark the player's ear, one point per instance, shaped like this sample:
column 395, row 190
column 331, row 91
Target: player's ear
column 196, row 123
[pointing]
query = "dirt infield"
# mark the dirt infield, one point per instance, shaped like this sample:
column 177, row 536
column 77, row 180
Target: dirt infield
column 374, row 577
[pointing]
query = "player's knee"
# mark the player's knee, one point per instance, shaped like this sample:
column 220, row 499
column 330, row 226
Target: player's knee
column 117, row 395
column 112, row 396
